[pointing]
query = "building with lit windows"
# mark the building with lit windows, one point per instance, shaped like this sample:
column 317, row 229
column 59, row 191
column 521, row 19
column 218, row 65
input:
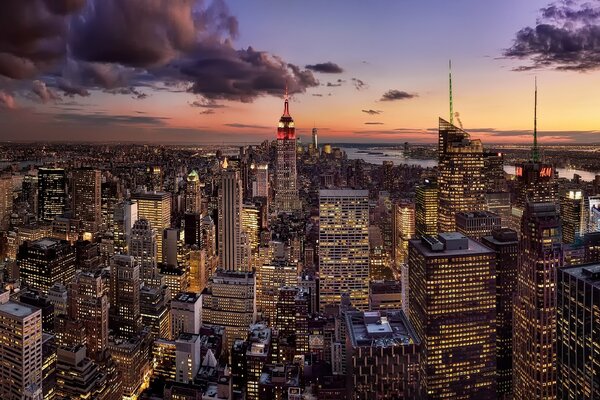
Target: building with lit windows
column 125, row 318
column 193, row 194
column 229, row 300
column 426, row 207
column 231, row 252
column 378, row 256
column 156, row 208
column 505, row 243
column 404, row 227
column 260, row 187
column 344, row 246
column 6, row 201
column 86, row 198
column 385, row 295
column 573, row 215
column 52, row 193
column 291, row 323
column 461, row 177
column 383, row 355
column 495, row 177
column 44, row 262
column 270, row 277
column 154, row 308
column 578, row 333
column 452, row 300
column 259, row 353
column 186, row 315
column 143, row 248
column 133, row 362
column 251, row 225
column 477, row 224
column 286, row 190
column 534, row 319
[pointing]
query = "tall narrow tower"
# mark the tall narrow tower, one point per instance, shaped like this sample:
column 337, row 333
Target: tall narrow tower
column 286, row 190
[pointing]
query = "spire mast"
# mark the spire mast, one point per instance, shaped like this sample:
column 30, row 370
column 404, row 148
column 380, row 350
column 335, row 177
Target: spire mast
column 450, row 81
column 286, row 105
column 535, row 152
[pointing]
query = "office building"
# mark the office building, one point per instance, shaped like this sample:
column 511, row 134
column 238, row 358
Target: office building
column 21, row 361
column 578, row 328
column 534, row 318
column 385, row 295
column 78, row 377
column 270, row 277
column 461, row 177
column 404, row 229
column 231, row 251
column 383, row 355
column 573, row 215
column 156, row 208
column 477, row 224
column 143, row 248
column 154, row 309
column 125, row 215
column 495, row 177
column 193, row 194
column 44, row 262
column 260, row 187
column 133, row 358
column 280, row 381
column 344, row 246
column 125, row 318
column 86, row 198
column 186, row 317
column 6, row 201
column 452, row 300
column 286, row 190
column 52, row 193
column 505, row 243
column 251, row 220
column 378, row 256
column 426, row 207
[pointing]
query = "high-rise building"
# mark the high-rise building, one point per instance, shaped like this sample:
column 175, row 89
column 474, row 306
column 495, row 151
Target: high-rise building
column 154, row 308
column 477, row 224
column 143, row 248
column 315, row 139
column 44, row 262
column 229, row 300
column 260, row 187
column 385, row 295
column 193, row 194
column 156, row 208
column 52, row 193
column 6, row 201
column 495, row 177
column 461, row 174
column 86, row 198
column 344, row 246
column 78, row 377
column 20, row 351
column 231, row 252
column 505, row 243
column 133, row 361
column 573, row 215
column 403, row 219
column 270, row 277
column 125, row 318
column 426, row 207
column 251, row 225
column 383, row 352
column 286, row 190
column 89, row 304
column 534, row 326
column 124, row 217
column 453, row 311
column 578, row 338
column 378, row 256
column 186, row 309
column 291, row 323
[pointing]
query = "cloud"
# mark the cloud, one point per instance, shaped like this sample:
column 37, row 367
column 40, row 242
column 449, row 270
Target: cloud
column 359, row 84
column 205, row 103
column 98, row 118
column 325, row 68
column 337, row 83
column 566, row 36
column 208, row 111
column 317, row 95
column 43, row 93
column 372, row 112
column 374, row 123
column 393, row 95
column 245, row 126
column 7, row 101
column 183, row 45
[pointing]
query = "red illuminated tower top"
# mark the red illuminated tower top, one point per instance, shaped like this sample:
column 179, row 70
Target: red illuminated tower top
column 286, row 129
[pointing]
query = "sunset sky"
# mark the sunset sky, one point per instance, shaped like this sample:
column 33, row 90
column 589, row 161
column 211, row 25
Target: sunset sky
column 176, row 71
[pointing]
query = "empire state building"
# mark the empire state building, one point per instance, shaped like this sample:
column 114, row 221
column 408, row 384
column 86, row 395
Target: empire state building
column 286, row 189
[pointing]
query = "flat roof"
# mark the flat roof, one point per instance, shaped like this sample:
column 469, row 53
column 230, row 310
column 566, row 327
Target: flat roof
column 473, row 248
column 588, row 273
column 343, row 193
column 380, row 329
column 19, row 310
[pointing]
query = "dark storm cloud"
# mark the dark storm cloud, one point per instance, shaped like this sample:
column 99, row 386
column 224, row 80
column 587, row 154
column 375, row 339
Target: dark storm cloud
column 325, row 68
column 98, row 119
column 71, row 90
column 566, row 37
column 42, row 92
column 205, row 103
column 393, row 95
column 178, row 45
column 245, row 126
column 372, row 112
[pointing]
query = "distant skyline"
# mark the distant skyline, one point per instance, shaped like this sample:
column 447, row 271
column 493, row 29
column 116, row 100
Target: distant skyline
column 188, row 71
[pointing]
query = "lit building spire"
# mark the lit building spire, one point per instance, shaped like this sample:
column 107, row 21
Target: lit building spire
column 286, row 105
column 535, row 151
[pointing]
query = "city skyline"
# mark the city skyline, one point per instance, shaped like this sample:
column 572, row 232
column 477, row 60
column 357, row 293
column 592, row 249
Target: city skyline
column 359, row 74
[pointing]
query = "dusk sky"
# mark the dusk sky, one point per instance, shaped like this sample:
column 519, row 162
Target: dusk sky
column 177, row 71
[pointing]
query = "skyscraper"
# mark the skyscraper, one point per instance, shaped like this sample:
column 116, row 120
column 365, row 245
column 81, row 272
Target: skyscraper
column 193, row 194
column 426, row 207
column 6, row 201
column 125, row 316
column 20, row 351
column 344, row 246
column 286, row 191
column 86, row 198
column 578, row 333
column 261, row 184
column 52, row 193
column 156, row 208
column 477, row 224
column 44, row 262
column 403, row 219
column 230, row 222
column 461, row 174
column 453, row 310
column 143, row 248
column 534, row 326
column 505, row 243
column 573, row 215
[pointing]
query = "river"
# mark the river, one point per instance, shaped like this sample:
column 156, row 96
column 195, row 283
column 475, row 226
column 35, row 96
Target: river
column 377, row 155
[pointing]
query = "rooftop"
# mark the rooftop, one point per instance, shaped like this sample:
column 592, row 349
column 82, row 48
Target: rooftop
column 589, row 273
column 343, row 193
column 380, row 329
column 187, row 297
column 444, row 245
column 15, row 309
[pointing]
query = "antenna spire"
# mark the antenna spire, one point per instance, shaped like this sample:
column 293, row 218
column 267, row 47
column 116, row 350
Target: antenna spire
column 286, row 105
column 450, row 82
column 535, row 151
